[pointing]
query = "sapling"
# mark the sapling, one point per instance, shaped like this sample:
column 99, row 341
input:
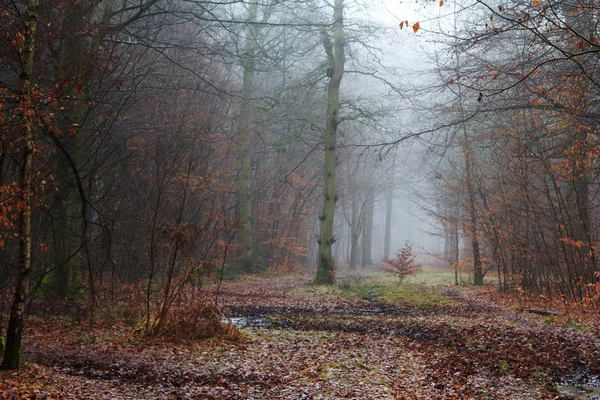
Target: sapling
column 403, row 264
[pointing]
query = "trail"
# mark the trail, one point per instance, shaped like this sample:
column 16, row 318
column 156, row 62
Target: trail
column 319, row 343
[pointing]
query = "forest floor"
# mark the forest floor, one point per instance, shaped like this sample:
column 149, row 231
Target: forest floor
column 366, row 338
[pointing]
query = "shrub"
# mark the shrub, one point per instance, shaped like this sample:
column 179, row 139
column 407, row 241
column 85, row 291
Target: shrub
column 404, row 264
column 189, row 322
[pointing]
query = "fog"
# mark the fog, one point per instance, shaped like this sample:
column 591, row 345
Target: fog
column 284, row 135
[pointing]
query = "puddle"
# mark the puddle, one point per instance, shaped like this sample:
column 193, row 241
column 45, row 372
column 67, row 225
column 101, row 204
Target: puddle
column 303, row 319
column 249, row 321
column 580, row 386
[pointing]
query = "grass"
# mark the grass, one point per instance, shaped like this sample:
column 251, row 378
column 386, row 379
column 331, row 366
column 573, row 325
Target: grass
column 390, row 292
column 423, row 290
column 432, row 276
column 570, row 324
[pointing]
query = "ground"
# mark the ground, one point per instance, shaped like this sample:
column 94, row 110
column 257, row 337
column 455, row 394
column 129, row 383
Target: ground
column 366, row 338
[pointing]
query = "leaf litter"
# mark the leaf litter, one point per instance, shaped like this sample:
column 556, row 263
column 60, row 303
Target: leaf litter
column 318, row 344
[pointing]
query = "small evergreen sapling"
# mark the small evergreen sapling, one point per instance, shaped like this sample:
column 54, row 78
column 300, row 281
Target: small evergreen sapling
column 404, row 264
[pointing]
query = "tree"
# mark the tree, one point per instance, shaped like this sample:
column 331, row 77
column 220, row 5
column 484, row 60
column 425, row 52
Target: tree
column 389, row 203
column 403, row 264
column 251, row 53
column 525, row 80
column 27, row 114
column 336, row 57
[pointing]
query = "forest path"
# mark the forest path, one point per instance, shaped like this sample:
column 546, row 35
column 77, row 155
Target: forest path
column 365, row 338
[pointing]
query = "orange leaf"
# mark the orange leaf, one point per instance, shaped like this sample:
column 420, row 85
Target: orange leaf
column 580, row 44
column 442, row 3
column 401, row 24
column 416, row 27
column 536, row 3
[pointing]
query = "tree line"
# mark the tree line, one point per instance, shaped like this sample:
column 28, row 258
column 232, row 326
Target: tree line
column 516, row 171
column 148, row 147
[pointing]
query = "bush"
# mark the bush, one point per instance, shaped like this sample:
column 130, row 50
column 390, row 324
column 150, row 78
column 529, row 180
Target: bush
column 190, row 322
column 404, row 264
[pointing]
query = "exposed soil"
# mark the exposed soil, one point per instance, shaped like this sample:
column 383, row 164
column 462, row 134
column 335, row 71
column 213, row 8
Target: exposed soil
column 304, row 342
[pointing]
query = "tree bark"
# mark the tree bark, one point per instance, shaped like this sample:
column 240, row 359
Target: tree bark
column 389, row 203
column 367, row 235
column 477, row 267
column 335, row 54
column 578, row 194
column 245, row 131
column 355, row 229
column 68, row 226
column 14, row 332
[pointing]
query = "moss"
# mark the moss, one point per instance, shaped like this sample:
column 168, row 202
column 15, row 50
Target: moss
column 325, row 272
column 570, row 324
column 388, row 291
column 12, row 361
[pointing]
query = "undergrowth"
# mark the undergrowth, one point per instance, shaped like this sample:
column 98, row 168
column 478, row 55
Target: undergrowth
column 192, row 322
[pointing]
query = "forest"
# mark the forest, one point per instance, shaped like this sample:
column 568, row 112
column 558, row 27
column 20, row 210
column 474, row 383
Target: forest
column 299, row 199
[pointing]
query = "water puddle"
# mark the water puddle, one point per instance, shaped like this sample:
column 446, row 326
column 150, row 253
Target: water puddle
column 268, row 317
column 580, row 386
column 249, row 321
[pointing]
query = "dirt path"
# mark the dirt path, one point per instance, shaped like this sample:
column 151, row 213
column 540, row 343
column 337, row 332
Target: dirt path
column 314, row 343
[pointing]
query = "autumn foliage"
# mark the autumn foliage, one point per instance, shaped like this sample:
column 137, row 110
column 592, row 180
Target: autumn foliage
column 403, row 264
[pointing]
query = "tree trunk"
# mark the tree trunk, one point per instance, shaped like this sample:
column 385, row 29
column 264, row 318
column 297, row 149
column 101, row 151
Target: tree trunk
column 245, row 132
column 477, row 268
column 355, row 228
column 578, row 194
column 67, row 232
column 454, row 248
column 367, row 259
column 389, row 203
column 335, row 54
column 14, row 332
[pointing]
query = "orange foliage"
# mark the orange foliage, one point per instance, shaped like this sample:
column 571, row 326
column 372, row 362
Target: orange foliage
column 403, row 264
